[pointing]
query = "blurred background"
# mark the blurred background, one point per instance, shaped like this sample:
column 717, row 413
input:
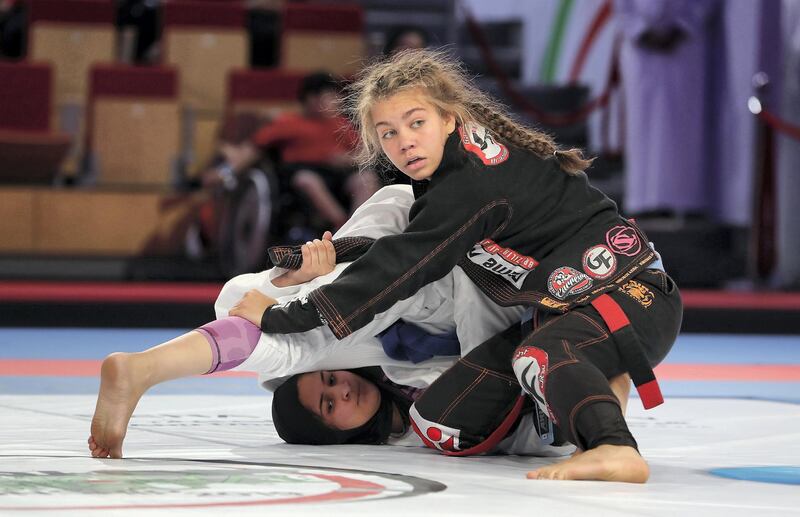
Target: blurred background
column 151, row 149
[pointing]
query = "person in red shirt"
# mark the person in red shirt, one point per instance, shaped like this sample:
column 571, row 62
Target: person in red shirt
column 313, row 150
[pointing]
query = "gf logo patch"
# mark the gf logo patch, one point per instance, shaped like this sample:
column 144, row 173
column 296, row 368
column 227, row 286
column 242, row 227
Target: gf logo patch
column 599, row 262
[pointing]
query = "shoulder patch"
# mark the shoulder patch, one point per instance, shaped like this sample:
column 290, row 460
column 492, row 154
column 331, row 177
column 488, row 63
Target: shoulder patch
column 477, row 140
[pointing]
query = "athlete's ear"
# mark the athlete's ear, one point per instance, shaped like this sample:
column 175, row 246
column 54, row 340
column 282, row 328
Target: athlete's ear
column 449, row 122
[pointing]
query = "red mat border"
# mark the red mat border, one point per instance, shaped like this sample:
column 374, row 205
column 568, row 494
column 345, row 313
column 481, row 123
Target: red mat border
column 201, row 293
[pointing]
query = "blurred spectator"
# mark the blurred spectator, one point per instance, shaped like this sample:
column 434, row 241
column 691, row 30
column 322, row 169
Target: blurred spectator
column 12, row 29
column 404, row 37
column 664, row 64
column 312, row 150
column 263, row 24
column 137, row 20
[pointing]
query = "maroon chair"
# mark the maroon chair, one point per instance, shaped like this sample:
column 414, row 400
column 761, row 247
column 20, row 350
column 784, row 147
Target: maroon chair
column 323, row 37
column 29, row 151
column 134, row 125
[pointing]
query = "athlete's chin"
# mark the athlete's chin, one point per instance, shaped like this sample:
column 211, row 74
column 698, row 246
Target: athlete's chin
column 418, row 175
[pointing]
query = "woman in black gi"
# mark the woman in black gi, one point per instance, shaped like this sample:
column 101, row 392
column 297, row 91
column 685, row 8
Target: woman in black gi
column 516, row 212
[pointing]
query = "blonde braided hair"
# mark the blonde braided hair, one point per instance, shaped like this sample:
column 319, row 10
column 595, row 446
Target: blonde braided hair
column 448, row 88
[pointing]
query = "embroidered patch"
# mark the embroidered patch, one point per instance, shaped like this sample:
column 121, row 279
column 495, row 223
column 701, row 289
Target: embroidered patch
column 639, row 292
column 477, row 140
column 505, row 262
column 530, row 365
column 623, row 240
column 566, row 281
column 549, row 302
column 434, row 434
column 599, row 262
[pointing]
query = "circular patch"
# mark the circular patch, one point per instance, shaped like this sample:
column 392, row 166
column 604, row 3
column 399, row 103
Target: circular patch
column 434, row 433
column 623, row 240
column 599, row 262
column 566, row 281
column 782, row 475
column 164, row 483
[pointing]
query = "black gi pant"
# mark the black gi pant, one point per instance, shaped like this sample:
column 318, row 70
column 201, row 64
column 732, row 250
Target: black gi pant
column 462, row 409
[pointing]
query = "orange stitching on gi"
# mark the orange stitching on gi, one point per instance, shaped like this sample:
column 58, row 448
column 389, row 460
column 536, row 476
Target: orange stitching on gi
column 430, row 255
column 461, row 397
column 493, row 373
column 572, row 359
column 581, row 404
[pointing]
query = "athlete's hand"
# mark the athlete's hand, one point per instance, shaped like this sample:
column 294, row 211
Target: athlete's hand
column 252, row 306
column 319, row 258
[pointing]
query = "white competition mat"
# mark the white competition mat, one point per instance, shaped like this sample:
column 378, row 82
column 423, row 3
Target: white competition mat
column 218, row 455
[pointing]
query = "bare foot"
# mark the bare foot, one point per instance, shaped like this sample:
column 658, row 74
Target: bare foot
column 121, row 386
column 604, row 463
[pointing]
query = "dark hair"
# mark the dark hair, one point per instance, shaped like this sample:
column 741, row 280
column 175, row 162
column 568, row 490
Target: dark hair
column 316, row 83
column 296, row 424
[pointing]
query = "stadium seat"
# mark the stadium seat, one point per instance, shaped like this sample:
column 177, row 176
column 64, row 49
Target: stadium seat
column 263, row 92
column 71, row 35
column 135, row 125
column 323, row 37
column 204, row 41
column 29, row 151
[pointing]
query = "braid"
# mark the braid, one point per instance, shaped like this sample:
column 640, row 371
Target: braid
column 494, row 117
column 451, row 91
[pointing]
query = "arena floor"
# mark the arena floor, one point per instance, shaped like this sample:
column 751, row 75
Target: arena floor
column 727, row 442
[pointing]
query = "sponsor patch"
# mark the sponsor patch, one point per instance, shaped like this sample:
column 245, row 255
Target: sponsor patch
column 566, row 281
column 553, row 304
column 433, row 434
column 639, row 292
column 477, row 140
column 623, row 240
column 504, row 262
column 599, row 262
column 530, row 365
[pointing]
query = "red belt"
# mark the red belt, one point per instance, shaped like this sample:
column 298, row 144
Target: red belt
column 631, row 351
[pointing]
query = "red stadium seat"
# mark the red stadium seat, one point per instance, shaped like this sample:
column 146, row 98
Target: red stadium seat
column 204, row 41
column 71, row 35
column 263, row 92
column 135, row 125
column 323, row 37
column 29, row 151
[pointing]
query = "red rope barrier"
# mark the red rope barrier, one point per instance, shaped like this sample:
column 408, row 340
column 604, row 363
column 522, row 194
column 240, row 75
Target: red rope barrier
column 602, row 17
column 777, row 123
column 551, row 119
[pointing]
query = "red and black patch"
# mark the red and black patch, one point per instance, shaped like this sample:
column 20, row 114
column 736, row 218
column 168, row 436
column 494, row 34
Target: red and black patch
column 566, row 281
column 477, row 140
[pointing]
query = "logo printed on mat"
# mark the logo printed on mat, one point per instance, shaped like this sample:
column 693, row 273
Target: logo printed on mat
column 156, row 483
column 566, row 281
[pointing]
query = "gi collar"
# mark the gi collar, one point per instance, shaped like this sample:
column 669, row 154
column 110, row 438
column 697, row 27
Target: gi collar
column 453, row 158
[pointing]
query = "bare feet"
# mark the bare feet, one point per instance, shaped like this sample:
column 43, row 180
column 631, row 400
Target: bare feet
column 604, row 463
column 122, row 383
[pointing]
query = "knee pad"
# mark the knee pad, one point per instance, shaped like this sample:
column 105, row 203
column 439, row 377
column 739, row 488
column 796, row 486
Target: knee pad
column 531, row 365
column 232, row 340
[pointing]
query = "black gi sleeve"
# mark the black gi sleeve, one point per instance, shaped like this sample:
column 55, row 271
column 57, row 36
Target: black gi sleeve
column 446, row 223
column 347, row 250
